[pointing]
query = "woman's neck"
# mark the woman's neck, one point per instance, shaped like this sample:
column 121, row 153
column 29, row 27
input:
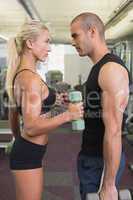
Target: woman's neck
column 28, row 62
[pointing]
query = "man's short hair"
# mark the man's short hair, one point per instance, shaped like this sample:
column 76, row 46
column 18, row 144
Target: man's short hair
column 88, row 20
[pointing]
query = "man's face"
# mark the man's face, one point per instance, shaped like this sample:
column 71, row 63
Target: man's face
column 80, row 39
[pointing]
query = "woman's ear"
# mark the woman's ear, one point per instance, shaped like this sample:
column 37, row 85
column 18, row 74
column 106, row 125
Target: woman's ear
column 29, row 43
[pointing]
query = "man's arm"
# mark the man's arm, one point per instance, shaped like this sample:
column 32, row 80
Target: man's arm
column 14, row 121
column 113, row 80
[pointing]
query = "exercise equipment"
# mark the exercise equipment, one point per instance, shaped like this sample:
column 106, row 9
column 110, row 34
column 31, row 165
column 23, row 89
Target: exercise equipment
column 123, row 195
column 129, row 124
column 76, row 97
column 129, row 136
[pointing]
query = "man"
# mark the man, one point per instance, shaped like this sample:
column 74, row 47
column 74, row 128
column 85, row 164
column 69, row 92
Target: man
column 101, row 160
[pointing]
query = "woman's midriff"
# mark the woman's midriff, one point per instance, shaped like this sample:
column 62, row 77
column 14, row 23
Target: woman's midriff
column 41, row 140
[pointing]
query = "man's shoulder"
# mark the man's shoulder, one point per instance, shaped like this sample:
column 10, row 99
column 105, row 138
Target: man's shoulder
column 113, row 67
column 112, row 75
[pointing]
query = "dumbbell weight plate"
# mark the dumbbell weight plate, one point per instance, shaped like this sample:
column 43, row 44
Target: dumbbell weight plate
column 92, row 196
column 125, row 195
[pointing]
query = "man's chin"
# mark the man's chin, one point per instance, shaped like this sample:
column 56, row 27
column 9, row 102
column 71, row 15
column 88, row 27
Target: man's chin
column 81, row 54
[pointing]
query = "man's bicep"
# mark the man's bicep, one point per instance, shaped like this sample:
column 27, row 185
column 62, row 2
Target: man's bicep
column 109, row 109
column 113, row 80
column 114, row 104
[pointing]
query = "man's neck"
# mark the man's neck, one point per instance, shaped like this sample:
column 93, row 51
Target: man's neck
column 99, row 51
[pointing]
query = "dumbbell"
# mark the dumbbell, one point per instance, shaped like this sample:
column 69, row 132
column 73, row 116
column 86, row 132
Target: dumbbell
column 76, row 97
column 123, row 195
column 131, row 167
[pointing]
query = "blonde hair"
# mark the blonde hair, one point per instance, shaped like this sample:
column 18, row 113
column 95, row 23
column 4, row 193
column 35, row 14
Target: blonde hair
column 29, row 30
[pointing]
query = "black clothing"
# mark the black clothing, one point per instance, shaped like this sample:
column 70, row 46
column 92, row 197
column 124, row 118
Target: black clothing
column 93, row 134
column 26, row 154
column 46, row 103
column 90, row 171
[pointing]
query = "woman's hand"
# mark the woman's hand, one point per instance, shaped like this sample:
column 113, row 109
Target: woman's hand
column 76, row 110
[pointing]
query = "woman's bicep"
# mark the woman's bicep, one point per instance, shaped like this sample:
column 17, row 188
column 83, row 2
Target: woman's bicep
column 31, row 105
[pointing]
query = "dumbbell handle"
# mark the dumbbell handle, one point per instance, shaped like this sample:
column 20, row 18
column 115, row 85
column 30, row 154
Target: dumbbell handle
column 92, row 196
column 123, row 195
column 75, row 97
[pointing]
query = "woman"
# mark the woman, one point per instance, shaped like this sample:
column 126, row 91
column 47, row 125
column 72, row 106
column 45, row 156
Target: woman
column 31, row 99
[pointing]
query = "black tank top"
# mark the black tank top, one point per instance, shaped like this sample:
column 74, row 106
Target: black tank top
column 92, row 143
column 46, row 103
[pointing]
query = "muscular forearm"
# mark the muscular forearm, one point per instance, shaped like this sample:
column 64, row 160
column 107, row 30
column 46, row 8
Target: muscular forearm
column 112, row 153
column 44, row 125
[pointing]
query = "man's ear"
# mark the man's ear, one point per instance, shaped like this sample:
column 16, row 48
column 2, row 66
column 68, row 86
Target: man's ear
column 29, row 43
column 92, row 31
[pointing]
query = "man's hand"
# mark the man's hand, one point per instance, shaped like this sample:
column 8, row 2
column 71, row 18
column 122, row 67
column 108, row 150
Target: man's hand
column 108, row 193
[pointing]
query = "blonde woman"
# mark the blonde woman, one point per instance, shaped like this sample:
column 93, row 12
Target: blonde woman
column 31, row 98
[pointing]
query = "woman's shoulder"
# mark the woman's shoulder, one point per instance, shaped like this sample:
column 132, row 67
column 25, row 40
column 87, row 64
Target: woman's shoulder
column 29, row 80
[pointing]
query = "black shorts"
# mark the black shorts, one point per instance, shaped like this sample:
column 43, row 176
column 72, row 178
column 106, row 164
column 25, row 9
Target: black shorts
column 26, row 154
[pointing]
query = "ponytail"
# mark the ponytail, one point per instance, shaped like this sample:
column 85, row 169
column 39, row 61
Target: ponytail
column 13, row 62
column 15, row 49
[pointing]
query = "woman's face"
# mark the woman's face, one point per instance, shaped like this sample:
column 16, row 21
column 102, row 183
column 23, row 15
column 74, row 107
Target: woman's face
column 41, row 45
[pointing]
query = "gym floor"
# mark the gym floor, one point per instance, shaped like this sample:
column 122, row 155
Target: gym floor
column 61, row 181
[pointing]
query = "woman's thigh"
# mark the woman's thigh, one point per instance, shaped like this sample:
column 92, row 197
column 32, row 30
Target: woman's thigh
column 29, row 184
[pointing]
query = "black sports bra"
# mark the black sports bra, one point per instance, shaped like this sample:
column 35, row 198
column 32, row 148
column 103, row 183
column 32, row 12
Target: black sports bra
column 46, row 103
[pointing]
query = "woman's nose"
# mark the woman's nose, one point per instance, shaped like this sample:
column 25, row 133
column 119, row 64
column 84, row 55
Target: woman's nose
column 49, row 47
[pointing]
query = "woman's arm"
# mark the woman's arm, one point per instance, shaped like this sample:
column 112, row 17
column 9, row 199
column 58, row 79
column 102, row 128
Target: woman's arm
column 36, row 124
column 14, row 121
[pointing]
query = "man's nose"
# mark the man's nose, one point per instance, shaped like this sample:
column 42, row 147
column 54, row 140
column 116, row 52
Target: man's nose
column 73, row 42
